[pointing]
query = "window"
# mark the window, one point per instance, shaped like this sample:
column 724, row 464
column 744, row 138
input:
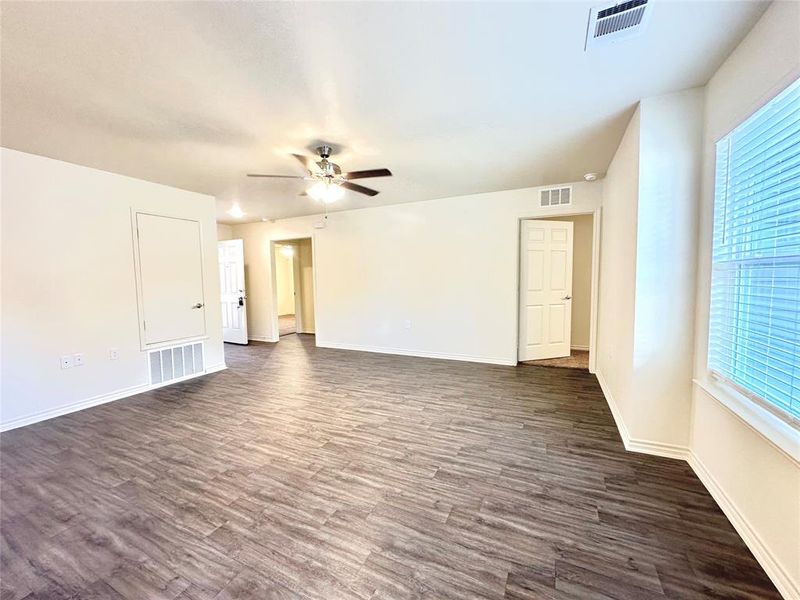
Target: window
column 754, row 329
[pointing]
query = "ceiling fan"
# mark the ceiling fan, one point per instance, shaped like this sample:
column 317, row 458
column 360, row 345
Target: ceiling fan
column 330, row 181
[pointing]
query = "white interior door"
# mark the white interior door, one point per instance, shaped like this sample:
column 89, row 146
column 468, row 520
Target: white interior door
column 234, row 297
column 545, row 307
column 170, row 262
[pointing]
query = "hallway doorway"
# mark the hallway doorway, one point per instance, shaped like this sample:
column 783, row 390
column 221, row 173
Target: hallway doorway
column 293, row 287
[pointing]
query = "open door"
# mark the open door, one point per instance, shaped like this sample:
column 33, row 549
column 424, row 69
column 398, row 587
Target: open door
column 545, row 288
column 234, row 297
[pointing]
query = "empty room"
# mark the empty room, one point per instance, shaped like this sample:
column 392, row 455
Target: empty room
column 400, row 300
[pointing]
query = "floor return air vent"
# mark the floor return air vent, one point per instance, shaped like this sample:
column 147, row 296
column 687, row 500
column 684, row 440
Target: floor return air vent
column 176, row 362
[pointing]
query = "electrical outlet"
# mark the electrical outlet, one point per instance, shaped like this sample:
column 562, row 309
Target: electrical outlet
column 77, row 359
column 113, row 354
column 66, row 361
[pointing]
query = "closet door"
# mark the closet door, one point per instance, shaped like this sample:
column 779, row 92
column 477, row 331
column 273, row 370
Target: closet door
column 170, row 278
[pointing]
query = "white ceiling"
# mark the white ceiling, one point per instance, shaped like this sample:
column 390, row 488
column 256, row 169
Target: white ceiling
column 454, row 98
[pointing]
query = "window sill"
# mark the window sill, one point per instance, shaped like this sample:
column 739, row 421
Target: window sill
column 778, row 432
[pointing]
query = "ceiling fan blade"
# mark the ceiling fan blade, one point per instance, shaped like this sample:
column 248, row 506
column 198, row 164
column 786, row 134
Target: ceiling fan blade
column 359, row 188
column 368, row 173
column 276, row 176
column 308, row 163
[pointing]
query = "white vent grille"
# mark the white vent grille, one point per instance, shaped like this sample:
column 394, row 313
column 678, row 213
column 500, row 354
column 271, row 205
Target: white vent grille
column 169, row 364
column 556, row 197
column 615, row 21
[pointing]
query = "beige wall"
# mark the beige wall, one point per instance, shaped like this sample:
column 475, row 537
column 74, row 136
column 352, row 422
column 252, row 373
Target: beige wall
column 69, row 283
column 581, row 278
column 436, row 278
column 224, row 232
column 306, row 284
column 750, row 458
column 284, row 277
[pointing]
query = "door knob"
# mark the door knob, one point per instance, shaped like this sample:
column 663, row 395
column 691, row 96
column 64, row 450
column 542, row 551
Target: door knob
column 198, row 305
column 567, row 298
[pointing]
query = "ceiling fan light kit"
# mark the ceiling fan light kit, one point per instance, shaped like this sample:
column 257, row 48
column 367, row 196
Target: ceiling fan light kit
column 325, row 192
column 236, row 211
column 330, row 182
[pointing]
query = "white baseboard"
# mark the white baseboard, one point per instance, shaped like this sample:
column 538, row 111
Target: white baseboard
column 789, row 589
column 98, row 400
column 639, row 445
column 261, row 338
column 419, row 353
column 779, row 576
column 623, row 430
column 658, row 449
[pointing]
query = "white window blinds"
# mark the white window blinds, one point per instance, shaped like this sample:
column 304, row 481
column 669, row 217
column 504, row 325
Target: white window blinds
column 754, row 331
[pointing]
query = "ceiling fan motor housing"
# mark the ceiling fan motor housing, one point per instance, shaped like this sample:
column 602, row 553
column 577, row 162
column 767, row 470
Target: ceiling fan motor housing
column 329, row 169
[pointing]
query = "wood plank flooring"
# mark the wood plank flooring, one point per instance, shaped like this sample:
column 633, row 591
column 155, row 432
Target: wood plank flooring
column 578, row 359
column 314, row 473
column 286, row 324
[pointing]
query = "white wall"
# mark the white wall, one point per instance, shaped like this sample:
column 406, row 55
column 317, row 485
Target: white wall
column 448, row 266
column 583, row 233
column 617, row 290
column 670, row 144
column 69, row 287
column 648, row 270
column 757, row 481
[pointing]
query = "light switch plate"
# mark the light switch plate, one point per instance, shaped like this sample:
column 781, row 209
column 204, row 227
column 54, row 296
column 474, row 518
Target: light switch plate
column 113, row 354
column 77, row 359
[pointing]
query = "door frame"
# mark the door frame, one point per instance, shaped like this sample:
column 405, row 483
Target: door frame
column 273, row 279
column 593, row 301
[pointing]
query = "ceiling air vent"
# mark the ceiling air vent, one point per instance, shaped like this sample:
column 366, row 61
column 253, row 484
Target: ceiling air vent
column 556, row 196
column 611, row 22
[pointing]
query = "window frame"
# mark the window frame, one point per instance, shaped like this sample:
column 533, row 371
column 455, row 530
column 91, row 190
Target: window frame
column 778, row 425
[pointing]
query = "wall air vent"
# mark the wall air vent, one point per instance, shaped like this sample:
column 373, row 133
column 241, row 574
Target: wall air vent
column 177, row 362
column 611, row 22
column 556, row 196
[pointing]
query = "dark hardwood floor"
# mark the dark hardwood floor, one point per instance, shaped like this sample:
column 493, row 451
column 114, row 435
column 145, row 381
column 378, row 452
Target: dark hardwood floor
column 311, row 473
